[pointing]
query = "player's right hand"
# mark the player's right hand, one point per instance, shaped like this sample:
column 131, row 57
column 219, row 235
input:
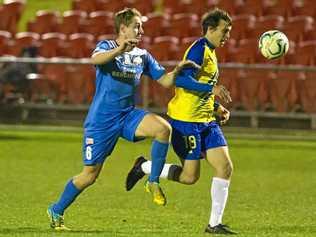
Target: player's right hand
column 128, row 45
column 222, row 93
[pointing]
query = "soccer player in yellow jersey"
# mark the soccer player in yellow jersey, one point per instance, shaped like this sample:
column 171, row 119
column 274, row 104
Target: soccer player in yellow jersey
column 196, row 133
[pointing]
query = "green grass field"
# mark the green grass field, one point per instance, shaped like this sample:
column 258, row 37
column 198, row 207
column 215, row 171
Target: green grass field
column 272, row 193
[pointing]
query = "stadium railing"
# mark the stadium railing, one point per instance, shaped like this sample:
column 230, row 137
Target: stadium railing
column 155, row 98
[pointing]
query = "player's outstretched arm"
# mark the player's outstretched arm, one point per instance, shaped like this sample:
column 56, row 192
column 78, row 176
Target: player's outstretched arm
column 107, row 56
column 222, row 92
column 168, row 79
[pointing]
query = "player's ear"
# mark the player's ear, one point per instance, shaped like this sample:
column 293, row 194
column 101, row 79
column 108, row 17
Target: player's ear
column 211, row 29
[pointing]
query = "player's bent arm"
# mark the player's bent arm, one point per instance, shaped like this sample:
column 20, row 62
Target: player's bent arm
column 105, row 56
column 189, row 83
column 168, row 79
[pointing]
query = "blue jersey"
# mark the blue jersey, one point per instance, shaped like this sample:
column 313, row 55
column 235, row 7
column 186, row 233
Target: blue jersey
column 117, row 81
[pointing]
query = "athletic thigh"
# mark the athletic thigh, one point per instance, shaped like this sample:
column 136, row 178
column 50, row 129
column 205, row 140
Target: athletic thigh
column 150, row 125
column 191, row 168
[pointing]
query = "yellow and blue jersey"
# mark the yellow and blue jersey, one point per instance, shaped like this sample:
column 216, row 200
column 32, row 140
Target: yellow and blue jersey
column 190, row 105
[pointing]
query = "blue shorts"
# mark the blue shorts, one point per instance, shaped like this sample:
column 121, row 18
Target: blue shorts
column 190, row 140
column 99, row 143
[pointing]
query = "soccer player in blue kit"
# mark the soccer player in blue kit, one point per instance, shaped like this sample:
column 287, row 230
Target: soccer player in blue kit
column 112, row 114
column 195, row 132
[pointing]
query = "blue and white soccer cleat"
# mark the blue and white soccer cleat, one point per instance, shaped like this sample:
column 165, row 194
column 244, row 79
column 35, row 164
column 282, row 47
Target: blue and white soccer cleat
column 56, row 220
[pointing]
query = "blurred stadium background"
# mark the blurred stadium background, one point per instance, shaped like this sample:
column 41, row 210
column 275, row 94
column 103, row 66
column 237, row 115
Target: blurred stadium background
column 279, row 93
column 273, row 189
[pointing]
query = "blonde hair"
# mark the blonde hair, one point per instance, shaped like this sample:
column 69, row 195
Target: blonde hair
column 125, row 17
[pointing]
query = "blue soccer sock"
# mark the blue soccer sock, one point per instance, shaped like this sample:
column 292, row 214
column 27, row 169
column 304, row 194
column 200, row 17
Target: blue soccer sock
column 158, row 156
column 68, row 196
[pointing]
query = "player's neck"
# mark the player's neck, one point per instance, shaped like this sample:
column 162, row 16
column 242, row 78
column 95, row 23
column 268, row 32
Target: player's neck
column 209, row 42
column 119, row 40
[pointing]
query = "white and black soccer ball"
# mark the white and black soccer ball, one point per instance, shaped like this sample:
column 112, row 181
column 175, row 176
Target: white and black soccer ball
column 273, row 44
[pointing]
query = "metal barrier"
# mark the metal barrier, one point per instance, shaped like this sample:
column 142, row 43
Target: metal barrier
column 253, row 117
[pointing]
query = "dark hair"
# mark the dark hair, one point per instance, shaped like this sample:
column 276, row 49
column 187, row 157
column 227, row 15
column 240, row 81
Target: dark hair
column 212, row 19
column 125, row 17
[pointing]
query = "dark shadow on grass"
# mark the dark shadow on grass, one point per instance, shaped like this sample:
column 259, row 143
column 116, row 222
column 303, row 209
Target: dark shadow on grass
column 12, row 231
column 52, row 138
column 11, row 137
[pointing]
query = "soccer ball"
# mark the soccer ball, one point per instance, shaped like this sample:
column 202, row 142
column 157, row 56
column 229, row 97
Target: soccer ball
column 273, row 44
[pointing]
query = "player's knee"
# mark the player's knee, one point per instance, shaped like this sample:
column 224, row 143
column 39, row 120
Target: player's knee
column 88, row 179
column 163, row 131
column 190, row 179
column 228, row 170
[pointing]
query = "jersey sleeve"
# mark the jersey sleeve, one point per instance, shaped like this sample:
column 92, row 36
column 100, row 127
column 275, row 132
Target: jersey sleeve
column 152, row 68
column 195, row 53
column 102, row 46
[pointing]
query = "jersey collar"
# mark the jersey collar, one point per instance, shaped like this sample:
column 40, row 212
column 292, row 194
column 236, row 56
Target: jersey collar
column 209, row 44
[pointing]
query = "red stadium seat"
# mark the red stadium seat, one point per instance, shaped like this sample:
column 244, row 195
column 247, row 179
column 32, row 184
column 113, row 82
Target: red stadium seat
column 5, row 37
column 246, row 51
column 179, row 20
column 80, row 84
column 45, row 21
column 165, row 47
column 290, row 57
column 52, row 44
column 278, row 7
column 80, row 45
column 231, row 6
column 197, row 6
column 84, row 5
column 230, row 78
column 41, row 89
column 254, row 7
column 110, row 5
column 242, row 25
column 171, row 6
column 156, row 24
column 79, row 80
column 99, row 22
column 266, row 23
column 23, row 40
column 303, row 26
column 10, row 14
column 144, row 8
column 283, row 90
column 305, row 53
column 254, row 89
column 307, row 92
column 306, row 8
column 156, row 90
column 71, row 21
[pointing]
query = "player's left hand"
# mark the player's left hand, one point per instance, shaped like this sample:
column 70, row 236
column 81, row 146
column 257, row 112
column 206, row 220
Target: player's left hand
column 224, row 114
column 186, row 64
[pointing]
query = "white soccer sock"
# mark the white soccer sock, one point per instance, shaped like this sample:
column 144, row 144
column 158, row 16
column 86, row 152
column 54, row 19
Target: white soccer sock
column 219, row 195
column 146, row 167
